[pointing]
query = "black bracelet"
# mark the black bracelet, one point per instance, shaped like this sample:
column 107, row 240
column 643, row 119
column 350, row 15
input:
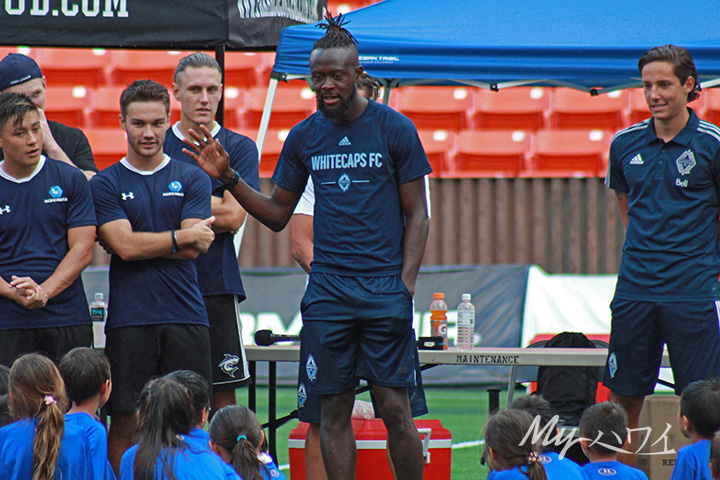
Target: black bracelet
column 227, row 185
column 176, row 248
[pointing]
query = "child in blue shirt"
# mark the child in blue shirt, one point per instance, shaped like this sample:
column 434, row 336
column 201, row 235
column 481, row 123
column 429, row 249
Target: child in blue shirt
column 236, row 435
column 699, row 420
column 199, row 390
column 165, row 418
column 40, row 445
column 603, row 431
column 86, row 373
column 508, row 455
column 557, row 467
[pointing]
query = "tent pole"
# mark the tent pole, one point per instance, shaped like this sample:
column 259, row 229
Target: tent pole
column 220, row 57
column 265, row 120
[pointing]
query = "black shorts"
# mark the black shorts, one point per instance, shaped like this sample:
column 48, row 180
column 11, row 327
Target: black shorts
column 52, row 342
column 229, row 362
column 138, row 354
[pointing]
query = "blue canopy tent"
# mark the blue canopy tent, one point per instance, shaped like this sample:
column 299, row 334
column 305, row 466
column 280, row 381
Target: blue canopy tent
column 584, row 45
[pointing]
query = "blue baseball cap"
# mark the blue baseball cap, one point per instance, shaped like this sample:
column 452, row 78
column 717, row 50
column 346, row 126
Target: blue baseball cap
column 16, row 69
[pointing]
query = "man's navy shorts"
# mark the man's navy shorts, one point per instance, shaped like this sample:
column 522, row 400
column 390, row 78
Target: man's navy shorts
column 357, row 327
column 640, row 330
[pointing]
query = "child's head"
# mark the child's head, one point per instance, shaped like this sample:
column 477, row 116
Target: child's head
column 604, row 428
column 505, row 448
column 199, row 390
column 5, row 418
column 37, row 391
column 715, row 456
column 537, row 407
column 164, row 413
column 86, row 373
column 700, row 408
column 236, row 435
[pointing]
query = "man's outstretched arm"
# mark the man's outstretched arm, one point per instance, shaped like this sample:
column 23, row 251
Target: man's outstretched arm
column 274, row 210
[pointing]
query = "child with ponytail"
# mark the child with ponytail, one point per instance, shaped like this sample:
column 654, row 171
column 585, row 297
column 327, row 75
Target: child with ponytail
column 39, row 446
column 505, row 451
column 164, row 452
column 236, row 435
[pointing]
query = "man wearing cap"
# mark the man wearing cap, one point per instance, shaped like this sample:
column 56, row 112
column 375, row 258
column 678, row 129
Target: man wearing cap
column 20, row 74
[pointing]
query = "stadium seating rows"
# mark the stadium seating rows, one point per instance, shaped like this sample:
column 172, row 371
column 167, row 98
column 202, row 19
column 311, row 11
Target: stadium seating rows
column 467, row 132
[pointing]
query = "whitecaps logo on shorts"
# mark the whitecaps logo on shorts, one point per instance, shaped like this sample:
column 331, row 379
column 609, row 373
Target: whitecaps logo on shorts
column 301, row 395
column 612, row 364
column 311, row 368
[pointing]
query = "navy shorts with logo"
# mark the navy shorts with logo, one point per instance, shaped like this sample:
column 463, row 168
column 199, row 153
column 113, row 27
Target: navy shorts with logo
column 641, row 329
column 309, row 403
column 356, row 327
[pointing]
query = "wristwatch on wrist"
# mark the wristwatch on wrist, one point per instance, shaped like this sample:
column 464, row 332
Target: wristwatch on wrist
column 229, row 184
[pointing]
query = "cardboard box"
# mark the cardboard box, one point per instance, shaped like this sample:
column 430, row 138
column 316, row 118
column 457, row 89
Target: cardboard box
column 658, row 452
column 371, row 440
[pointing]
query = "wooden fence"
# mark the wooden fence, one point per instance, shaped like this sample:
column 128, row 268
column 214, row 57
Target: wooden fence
column 564, row 225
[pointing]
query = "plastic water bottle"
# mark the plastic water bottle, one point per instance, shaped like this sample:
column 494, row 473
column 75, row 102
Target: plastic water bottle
column 438, row 318
column 98, row 308
column 465, row 323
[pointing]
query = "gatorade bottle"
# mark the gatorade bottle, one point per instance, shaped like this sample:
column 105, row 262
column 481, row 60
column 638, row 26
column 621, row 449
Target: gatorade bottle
column 438, row 318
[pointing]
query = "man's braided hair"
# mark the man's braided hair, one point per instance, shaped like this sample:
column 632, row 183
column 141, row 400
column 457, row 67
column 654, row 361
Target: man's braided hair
column 335, row 36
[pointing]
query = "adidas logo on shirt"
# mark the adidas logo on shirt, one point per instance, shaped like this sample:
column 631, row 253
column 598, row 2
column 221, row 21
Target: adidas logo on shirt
column 637, row 160
column 344, row 142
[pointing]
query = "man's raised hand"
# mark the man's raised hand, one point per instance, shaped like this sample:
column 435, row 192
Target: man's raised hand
column 208, row 153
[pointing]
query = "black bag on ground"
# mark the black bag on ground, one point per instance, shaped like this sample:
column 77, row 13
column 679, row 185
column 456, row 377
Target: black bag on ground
column 570, row 390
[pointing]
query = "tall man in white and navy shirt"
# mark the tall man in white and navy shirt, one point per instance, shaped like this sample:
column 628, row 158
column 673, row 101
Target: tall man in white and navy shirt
column 47, row 232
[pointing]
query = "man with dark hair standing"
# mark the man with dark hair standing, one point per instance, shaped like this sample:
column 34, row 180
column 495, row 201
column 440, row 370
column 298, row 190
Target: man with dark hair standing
column 371, row 227
column 198, row 88
column 154, row 216
column 47, row 232
column 666, row 174
column 20, row 74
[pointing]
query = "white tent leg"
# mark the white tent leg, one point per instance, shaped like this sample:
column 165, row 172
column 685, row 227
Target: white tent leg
column 265, row 120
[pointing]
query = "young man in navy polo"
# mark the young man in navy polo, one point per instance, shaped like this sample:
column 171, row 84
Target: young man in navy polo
column 47, row 232
column 666, row 174
column 154, row 217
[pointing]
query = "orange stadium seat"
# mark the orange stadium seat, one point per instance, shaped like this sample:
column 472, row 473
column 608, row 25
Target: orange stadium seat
column 575, row 109
column 243, row 70
column 438, row 145
column 130, row 65
column 444, row 108
column 72, row 66
column 293, row 104
column 570, row 153
column 492, row 153
column 235, row 105
column 108, row 145
column 106, row 107
column 272, row 147
column 712, row 99
column 517, row 108
column 67, row 105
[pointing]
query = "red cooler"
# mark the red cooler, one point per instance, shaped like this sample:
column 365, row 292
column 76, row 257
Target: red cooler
column 371, row 440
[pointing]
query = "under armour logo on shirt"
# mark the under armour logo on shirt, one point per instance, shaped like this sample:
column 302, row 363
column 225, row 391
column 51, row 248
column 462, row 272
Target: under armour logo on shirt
column 128, row 196
column 5, row 209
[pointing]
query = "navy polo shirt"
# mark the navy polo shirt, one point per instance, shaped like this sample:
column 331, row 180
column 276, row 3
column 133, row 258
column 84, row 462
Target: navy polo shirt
column 671, row 243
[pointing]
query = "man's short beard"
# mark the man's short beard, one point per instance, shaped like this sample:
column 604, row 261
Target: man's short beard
column 342, row 109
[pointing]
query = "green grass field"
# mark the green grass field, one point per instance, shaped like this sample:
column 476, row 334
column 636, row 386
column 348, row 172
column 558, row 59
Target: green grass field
column 463, row 411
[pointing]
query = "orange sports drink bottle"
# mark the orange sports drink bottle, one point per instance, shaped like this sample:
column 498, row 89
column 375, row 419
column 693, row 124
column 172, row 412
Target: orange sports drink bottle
column 438, row 318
